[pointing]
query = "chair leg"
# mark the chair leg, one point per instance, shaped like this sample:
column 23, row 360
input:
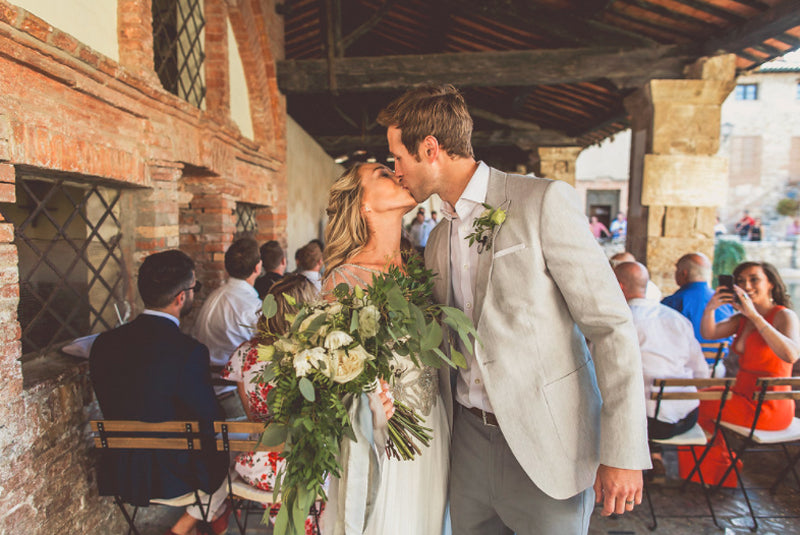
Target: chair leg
column 735, row 457
column 792, row 465
column 128, row 517
column 704, row 487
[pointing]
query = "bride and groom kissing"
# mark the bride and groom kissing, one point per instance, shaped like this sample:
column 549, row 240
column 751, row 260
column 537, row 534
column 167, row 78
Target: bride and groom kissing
column 534, row 429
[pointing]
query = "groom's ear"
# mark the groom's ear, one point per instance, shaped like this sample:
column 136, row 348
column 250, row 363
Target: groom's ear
column 429, row 148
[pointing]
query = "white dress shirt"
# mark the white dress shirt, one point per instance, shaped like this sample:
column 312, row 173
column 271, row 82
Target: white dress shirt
column 227, row 319
column 669, row 350
column 470, row 391
column 314, row 277
column 151, row 312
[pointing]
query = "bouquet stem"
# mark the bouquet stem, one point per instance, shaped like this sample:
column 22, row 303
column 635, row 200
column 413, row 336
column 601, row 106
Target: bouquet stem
column 405, row 430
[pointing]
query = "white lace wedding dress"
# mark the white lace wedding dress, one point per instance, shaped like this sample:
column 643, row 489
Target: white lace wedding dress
column 412, row 496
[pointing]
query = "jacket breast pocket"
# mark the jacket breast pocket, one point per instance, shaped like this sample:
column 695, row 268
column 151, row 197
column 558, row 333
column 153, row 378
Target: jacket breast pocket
column 508, row 250
column 574, row 404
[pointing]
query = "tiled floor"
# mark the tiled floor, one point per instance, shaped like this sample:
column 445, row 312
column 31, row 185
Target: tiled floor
column 679, row 512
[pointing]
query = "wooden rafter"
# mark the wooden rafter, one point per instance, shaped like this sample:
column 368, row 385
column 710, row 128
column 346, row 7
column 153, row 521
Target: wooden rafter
column 776, row 21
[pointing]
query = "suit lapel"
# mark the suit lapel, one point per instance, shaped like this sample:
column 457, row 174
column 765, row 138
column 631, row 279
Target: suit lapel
column 496, row 197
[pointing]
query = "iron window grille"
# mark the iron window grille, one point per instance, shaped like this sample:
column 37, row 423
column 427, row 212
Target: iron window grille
column 245, row 220
column 72, row 273
column 178, row 48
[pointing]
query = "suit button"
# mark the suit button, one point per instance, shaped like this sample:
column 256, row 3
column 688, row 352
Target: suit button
column 469, row 306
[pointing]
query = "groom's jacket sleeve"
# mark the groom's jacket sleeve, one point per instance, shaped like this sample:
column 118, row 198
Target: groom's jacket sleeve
column 583, row 274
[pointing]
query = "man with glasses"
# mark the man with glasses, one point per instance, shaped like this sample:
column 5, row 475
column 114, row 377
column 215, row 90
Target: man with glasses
column 148, row 370
column 229, row 315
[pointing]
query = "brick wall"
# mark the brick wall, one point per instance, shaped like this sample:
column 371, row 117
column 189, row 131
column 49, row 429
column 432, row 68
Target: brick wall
column 65, row 108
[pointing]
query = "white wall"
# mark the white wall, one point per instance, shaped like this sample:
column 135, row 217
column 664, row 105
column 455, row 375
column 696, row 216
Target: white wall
column 92, row 22
column 240, row 101
column 605, row 166
column 310, row 173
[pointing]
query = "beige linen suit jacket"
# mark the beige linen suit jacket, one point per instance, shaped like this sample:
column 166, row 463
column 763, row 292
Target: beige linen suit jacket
column 541, row 288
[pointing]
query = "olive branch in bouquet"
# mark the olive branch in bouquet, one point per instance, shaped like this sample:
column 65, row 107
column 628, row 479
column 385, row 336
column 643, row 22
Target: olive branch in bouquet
column 334, row 352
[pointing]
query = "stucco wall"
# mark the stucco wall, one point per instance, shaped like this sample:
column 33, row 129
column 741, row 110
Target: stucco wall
column 775, row 116
column 92, row 22
column 240, row 102
column 310, row 172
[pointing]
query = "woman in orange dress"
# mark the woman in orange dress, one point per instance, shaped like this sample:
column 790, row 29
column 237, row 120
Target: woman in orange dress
column 766, row 342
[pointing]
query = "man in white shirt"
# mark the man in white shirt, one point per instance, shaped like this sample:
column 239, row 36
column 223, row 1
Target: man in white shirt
column 669, row 350
column 229, row 315
column 653, row 292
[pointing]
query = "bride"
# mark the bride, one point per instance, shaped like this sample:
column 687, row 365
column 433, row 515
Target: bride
column 365, row 209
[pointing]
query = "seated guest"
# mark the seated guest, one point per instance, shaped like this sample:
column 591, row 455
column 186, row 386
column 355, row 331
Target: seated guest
column 259, row 469
column 309, row 264
column 652, row 290
column 148, row 370
column 692, row 273
column 229, row 315
column 273, row 261
column 669, row 350
column 766, row 338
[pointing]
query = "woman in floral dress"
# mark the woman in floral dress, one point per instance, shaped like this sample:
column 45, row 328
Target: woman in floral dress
column 259, row 468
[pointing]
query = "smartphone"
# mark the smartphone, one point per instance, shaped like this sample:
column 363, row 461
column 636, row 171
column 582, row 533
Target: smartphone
column 726, row 281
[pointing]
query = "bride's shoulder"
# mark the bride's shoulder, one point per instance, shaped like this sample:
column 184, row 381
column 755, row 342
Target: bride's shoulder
column 350, row 274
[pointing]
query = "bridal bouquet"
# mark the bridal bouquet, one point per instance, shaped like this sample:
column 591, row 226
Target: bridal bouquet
column 336, row 351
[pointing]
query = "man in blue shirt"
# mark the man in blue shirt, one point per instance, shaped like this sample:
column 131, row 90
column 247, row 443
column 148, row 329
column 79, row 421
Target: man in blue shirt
column 692, row 273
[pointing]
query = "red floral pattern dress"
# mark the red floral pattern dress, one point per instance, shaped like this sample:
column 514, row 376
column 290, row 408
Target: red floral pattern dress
column 257, row 468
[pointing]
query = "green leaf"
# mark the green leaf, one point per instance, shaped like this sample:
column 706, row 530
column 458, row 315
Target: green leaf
column 354, row 321
column 316, row 323
column 290, row 300
column 268, row 374
column 457, row 358
column 303, row 314
column 282, row 520
column 396, row 300
column 269, row 307
column 307, row 389
column 432, row 338
column 274, row 435
column 443, row 357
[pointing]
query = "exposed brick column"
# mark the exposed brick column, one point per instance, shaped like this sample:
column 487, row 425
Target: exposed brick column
column 218, row 93
column 135, row 32
column 677, row 181
column 558, row 163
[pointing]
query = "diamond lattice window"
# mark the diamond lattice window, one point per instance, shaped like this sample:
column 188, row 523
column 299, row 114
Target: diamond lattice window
column 245, row 220
column 178, row 48
column 71, row 267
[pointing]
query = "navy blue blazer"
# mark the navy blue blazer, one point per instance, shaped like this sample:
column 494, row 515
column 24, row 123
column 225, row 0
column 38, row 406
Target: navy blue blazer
column 148, row 370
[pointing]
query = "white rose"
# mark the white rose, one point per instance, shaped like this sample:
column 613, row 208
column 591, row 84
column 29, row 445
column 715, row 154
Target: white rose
column 349, row 364
column 302, row 367
column 368, row 321
column 485, row 213
column 337, row 339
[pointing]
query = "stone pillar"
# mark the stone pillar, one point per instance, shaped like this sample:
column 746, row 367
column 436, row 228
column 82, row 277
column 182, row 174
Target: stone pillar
column 558, row 163
column 677, row 181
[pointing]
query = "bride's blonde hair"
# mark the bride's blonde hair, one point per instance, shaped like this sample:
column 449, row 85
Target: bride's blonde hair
column 346, row 233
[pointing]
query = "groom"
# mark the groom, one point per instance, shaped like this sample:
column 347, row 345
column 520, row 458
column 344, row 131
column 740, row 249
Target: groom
column 540, row 427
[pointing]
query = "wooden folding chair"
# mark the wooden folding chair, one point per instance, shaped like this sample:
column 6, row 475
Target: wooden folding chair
column 751, row 438
column 695, row 436
column 244, row 497
column 135, row 435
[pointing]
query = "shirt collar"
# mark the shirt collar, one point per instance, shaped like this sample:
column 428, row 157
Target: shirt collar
column 641, row 301
column 474, row 193
column 160, row 314
column 241, row 283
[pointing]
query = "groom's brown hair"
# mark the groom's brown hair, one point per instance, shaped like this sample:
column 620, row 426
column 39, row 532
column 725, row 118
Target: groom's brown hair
column 435, row 110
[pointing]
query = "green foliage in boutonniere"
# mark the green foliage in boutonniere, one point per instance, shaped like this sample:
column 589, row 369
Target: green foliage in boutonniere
column 484, row 225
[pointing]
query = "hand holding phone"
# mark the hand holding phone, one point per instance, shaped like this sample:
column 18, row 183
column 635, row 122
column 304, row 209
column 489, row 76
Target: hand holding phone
column 726, row 282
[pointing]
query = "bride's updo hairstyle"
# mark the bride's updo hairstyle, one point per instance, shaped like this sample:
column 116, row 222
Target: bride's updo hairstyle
column 346, row 233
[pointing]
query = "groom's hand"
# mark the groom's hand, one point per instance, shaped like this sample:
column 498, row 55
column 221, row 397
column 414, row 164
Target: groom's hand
column 619, row 489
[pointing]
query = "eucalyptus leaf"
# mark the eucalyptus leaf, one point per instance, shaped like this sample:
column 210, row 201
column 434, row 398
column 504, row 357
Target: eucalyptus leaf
column 303, row 314
column 268, row 374
column 458, row 358
column 274, row 435
column 432, row 338
column 307, row 389
column 290, row 300
column 443, row 356
column 269, row 307
column 396, row 300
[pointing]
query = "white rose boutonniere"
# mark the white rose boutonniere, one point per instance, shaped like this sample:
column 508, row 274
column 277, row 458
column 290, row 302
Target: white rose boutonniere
column 484, row 225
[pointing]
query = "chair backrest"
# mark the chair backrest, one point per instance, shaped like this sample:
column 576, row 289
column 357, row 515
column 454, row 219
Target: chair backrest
column 132, row 434
column 764, row 385
column 226, row 443
column 713, row 352
column 721, row 394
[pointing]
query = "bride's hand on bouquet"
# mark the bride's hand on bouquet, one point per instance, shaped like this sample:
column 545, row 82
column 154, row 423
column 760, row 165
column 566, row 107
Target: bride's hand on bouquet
column 385, row 395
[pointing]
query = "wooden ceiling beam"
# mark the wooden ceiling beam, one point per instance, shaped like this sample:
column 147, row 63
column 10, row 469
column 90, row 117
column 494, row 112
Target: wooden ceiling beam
column 522, row 139
column 625, row 68
column 769, row 24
